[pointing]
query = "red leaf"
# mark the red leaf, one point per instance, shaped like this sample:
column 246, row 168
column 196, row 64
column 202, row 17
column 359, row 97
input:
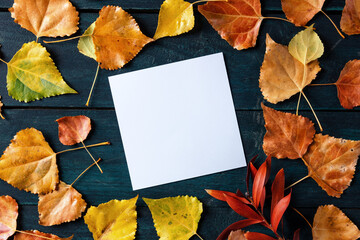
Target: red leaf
column 277, row 189
column 73, row 130
column 241, row 208
column 220, row 195
column 260, row 180
column 268, row 169
column 249, row 172
column 279, row 211
column 253, row 170
column 236, row 226
column 297, row 234
column 257, row 236
column 239, row 193
column 262, row 199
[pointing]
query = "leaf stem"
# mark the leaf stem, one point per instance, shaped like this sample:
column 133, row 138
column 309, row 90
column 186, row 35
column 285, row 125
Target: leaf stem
column 89, row 146
column 92, row 157
column 298, row 104
column 277, row 18
column 298, row 212
column 3, row 61
column 321, row 129
column 199, row 236
column 92, row 87
column 2, row 116
column 67, row 39
column 322, row 84
column 33, row 234
column 333, row 24
column 298, row 181
column 85, row 171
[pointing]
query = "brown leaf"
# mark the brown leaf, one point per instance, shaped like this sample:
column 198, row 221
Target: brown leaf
column 237, row 235
column 46, row 18
column 350, row 18
column 29, row 163
column 281, row 75
column 117, row 38
column 330, row 223
column 73, row 130
column 237, row 21
column 8, row 216
column 36, row 235
column 331, row 162
column 348, row 85
column 65, row 204
column 287, row 135
column 300, row 12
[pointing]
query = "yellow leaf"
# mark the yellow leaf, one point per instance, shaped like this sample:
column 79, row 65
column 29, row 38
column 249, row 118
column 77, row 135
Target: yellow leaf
column 176, row 17
column 175, row 217
column 114, row 220
column 29, row 163
column 86, row 44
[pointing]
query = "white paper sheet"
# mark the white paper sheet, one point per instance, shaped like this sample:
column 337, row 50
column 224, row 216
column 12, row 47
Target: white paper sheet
column 177, row 121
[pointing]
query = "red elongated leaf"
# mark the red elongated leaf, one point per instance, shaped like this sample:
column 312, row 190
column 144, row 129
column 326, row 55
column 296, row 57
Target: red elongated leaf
column 236, row 226
column 241, row 208
column 259, row 183
column 248, row 172
column 262, row 199
column 220, row 195
column 297, row 234
column 268, row 168
column 253, row 170
column 279, row 211
column 239, row 193
column 277, row 189
column 257, row 236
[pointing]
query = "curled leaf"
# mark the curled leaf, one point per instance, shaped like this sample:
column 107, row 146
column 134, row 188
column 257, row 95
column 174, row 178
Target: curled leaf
column 36, row 235
column 86, row 45
column 74, row 129
column 350, row 18
column 8, row 216
column 300, row 12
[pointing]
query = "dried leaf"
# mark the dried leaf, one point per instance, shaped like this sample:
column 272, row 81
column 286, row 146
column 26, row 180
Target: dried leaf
column 331, row 162
column 237, row 21
column 287, row 135
column 330, row 223
column 300, row 12
column 74, row 129
column 65, row 204
column 277, row 189
column 176, row 17
column 117, row 38
column 279, row 211
column 175, row 217
column 237, row 235
column 29, row 163
column 350, row 19
column 8, row 216
column 281, row 75
column 86, row 45
column 236, row 226
column 36, row 235
column 348, row 85
column 257, row 236
column 46, row 18
column 113, row 220
column 32, row 75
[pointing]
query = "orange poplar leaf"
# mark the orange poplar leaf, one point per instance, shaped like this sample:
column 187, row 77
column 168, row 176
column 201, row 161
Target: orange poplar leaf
column 350, row 18
column 331, row 163
column 236, row 226
column 8, row 216
column 65, row 204
column 73, row 130
column 300, row 12
column 46, row 18
column 117, row 38
column 36, row 235
column 331, row 223
column 237, row 21
column 287, row 135
column 348, row 85
column 237, row 235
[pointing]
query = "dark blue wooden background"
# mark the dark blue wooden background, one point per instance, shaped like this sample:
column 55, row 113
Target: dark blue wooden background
column 243, row 70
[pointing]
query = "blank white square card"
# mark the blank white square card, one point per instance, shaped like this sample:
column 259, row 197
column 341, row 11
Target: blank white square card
column 177, row 121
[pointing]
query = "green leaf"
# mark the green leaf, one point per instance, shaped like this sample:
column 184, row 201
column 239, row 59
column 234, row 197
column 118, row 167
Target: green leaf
column 175, row 217
column 86, row 45
column 306, row 46
column 32, row 75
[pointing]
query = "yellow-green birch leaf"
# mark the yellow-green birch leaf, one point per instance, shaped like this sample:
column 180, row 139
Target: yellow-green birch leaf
column 114, row 220
column 306, row 46
column 175, row 217
column 32, row 75
column 86, row 45
column 176, row 17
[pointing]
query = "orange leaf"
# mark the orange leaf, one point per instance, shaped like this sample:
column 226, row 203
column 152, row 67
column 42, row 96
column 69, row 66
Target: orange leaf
column 117, row 38
column 279, row 211
column 348, row 85
column 300, row 12
column 73, row 130
column 277, row 189
column 287, row 135
column 237, row 235
column 241, row 208
column 46, row 18
column 350, row 19
column 236, row 226
column 8, row 216
column 36, row 235
column 331, row 162
column 331, row 223
column 237, row 21
column 65, row 204
column 257, row 236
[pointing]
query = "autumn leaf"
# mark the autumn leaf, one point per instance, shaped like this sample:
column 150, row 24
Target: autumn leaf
column 237, row 21
column 281, row 75
column 348, row 85
column 350, row 18
column 287, row 135
column 8, row 216
column 46, row 18
column 65, row 204
column 117, row 38
column 330, row 223
column 300, row 12
column 74, row 129
column 175, row 217
column 237, row 235
column 176, row 17
column 113, row 220
column 32, row 75
column 257, row 236
column 331, row 163
column 86, row 44
column 36, row 235
column 29, row 163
